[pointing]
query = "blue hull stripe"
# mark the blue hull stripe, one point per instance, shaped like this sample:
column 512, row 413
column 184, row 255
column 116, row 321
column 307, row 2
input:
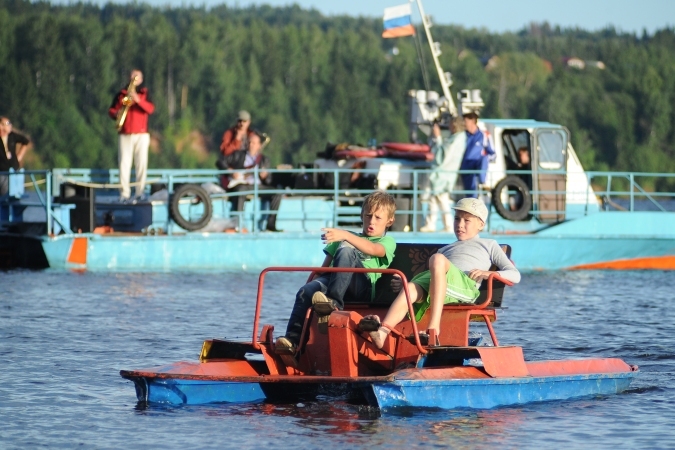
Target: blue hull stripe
column 490, row 393
column 446, row 394
column 195, row 392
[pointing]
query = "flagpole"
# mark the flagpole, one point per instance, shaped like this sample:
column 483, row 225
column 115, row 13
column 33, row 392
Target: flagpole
column 445, row 85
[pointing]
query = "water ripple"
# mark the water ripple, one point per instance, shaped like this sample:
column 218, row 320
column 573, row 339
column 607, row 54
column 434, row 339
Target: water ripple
column 65, row 336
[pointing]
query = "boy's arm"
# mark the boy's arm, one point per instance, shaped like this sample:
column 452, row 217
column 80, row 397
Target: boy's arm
column 362, row 244
column 506, row 268
column 480, row 275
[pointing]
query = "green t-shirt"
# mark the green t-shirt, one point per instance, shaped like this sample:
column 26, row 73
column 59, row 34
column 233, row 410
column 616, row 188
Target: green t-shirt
column 369, row 261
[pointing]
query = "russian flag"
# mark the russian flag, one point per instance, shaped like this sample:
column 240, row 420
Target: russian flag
column 397, row 22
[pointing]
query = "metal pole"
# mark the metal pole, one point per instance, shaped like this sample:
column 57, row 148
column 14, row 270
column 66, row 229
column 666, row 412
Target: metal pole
column 445, row 86
column 169, row 188
column 632, row 192
column 336, row 191
column 48, row 200
column 256, row 206
column 588, row 187
column 415, row 196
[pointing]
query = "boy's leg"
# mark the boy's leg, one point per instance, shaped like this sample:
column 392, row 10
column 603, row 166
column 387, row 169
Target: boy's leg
column 438, row 267
column 303, row 301
column 399, row 308
column 357, row 285
column 396, row 313
column 342, row 285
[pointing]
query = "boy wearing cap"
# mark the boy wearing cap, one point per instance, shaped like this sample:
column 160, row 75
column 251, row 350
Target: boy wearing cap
column 454, row 274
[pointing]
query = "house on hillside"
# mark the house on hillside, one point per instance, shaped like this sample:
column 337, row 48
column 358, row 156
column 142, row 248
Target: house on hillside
column 578, row 63
column 575, row 63
column 597, row 64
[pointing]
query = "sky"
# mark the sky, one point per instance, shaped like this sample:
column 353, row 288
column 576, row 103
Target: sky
column 495, row 15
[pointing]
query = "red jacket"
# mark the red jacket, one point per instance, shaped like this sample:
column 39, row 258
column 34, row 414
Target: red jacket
column 137, row 117
column 230, row 144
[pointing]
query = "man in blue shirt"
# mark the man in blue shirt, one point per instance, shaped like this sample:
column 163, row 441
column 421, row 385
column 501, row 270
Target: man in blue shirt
column 476, row 155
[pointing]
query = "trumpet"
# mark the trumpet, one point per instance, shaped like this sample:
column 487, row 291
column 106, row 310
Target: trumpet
column 266, row 140
column 126, row 104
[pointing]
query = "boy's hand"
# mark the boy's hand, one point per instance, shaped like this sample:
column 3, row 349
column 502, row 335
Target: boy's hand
column 479, row 275
column 331, row 235
column 396, row 283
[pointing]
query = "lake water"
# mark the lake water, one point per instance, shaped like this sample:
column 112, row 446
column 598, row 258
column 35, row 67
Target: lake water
column 64, row 337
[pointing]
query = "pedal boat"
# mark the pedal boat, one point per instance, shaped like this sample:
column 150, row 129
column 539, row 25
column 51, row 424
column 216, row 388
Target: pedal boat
column 458, row 373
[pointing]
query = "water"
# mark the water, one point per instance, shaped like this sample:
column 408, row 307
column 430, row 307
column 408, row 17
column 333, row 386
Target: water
column 64, row 337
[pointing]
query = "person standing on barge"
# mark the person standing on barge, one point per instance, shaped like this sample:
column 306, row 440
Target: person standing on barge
column 443, row 175
column 477, row 154
column 14, row 146
column 134, row 138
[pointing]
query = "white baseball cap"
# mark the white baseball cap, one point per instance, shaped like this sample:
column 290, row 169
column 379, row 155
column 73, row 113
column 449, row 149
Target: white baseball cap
column 473, row 206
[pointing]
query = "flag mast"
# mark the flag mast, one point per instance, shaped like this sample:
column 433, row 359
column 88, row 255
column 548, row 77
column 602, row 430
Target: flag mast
column 444, row 77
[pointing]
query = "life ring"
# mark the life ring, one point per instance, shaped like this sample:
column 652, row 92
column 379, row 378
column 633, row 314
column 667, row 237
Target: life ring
column 406, row 147
column 410, row 155
column 196, row 195
column 512, row 199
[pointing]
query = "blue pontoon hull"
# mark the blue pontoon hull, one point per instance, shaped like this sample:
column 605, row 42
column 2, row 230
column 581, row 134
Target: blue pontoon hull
column 481, row 393
column 490, row 393
column 196, row 392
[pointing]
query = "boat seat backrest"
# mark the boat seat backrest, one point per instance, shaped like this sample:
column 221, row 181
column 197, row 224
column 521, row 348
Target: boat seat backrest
column 412, row 259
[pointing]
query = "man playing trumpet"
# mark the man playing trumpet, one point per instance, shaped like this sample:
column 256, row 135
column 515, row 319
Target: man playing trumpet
column 131, row 108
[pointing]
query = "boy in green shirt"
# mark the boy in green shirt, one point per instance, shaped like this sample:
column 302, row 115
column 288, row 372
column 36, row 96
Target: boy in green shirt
column 327, row 292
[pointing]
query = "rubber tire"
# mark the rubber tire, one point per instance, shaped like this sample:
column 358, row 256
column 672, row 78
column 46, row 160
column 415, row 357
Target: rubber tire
column 512, row 183
column 203, row 196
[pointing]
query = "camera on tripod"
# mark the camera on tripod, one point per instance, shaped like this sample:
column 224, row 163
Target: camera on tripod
column 427, row 108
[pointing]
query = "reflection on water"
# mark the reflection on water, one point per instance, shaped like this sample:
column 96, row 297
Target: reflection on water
column 65, row 336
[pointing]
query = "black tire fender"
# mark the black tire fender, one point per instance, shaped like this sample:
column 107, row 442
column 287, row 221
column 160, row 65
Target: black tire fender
column 196, row 194
column 512, row 184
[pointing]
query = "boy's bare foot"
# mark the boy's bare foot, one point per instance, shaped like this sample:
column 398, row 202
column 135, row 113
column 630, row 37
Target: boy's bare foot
column 378, row 337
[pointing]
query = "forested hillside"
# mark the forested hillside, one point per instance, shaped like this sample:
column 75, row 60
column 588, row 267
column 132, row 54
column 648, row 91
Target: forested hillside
column 308, row 79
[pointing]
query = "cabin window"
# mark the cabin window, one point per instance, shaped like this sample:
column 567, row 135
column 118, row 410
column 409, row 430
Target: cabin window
column 516, row 146
column 551, row 147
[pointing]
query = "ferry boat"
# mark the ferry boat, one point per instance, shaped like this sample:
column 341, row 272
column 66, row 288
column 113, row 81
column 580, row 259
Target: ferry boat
column 66, row 223
column 555, row 213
